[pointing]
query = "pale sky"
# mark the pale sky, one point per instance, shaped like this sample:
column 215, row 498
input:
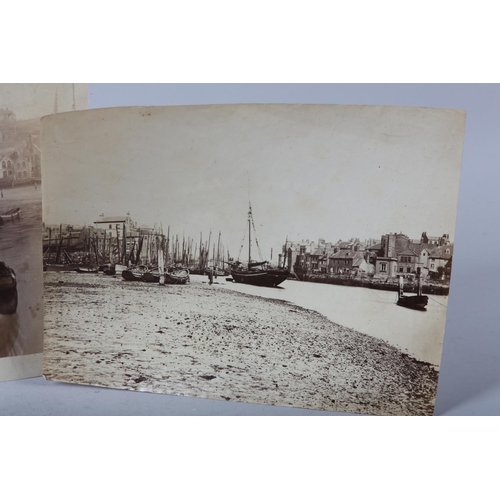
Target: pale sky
column 34, row 100
column 310, row 171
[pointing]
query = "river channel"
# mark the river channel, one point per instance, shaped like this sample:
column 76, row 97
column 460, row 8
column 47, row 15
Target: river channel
column 21, row 249
column 373, row 312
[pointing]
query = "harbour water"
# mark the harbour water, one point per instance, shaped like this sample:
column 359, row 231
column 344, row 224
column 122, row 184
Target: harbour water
column 20, row 249
column 373, row 312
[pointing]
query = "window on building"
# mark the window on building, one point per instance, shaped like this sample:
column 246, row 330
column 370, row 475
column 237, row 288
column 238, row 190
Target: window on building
column 408, row 269
column 400, row 269
column 383, row 267
column 432, row 265
column 4, row 166
column 9, row 165
column 110, row 227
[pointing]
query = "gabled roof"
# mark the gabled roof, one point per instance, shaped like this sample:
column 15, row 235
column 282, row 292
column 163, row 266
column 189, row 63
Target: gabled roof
column 418, row 247
column 409, row 251
column 358, row 260
column 318, row 252
column 378, row 246
column 347, row 254
column 440, row 252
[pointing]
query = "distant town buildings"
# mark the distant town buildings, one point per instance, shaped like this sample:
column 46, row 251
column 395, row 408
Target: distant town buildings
column 393, row 255
column 19, row 150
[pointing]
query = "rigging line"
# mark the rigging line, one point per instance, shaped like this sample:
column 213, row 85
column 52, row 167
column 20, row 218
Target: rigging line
column 242, row 243
column 437, row 302
column 256, row 240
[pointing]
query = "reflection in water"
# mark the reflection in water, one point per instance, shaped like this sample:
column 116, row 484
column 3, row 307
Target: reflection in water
column 21, row 249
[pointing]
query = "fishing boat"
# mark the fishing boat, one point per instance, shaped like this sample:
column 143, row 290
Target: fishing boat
column 8, row 290
column 10, row 214
column 152, row 276
column 257, row 273
column 108, row 269
column 418, row 301
column 177, row 277
column 87, row 270
column 134, row 273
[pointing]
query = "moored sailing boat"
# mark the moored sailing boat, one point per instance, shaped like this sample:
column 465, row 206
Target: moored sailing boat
column 418, row 301
column 8, row 290
column 257, row 273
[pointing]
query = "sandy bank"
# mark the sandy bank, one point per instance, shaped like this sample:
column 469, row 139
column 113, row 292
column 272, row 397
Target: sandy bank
column 212, row 342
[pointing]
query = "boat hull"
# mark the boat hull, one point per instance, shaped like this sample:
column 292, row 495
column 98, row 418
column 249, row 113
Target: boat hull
column 131, row 275
column 10, row 215
column 151, row 277
column 87, row 270
column 8, row 290
column 418, row 302
column 177, row 278
column 269, row 278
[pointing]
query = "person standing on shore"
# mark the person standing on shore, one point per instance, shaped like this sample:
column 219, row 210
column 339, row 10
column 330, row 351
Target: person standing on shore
column 210, row 276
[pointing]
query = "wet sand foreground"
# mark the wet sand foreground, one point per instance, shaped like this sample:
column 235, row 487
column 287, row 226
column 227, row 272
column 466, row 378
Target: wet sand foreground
column 212, row 342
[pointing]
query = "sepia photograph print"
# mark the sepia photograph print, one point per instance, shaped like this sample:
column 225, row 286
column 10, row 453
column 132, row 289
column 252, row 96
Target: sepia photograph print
column 21, row 278
column 291, row 255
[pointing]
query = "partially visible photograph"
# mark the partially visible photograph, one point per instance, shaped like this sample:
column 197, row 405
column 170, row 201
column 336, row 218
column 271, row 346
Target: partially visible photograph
column 21, row 288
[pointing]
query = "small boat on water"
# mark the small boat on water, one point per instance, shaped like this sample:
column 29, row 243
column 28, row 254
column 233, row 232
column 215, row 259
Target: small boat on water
column 177, row 277
column 257, row 273
column 418, row 301
column 10, row 214
column 8, row 290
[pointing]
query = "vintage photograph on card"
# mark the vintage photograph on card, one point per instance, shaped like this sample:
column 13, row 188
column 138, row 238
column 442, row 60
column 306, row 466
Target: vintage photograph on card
column 21, row 278
column 292, row 255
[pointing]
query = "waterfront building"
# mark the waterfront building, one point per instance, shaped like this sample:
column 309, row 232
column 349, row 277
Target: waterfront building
column 116, row 225
column 351, row 262
column 19, row 151
column 440, row 260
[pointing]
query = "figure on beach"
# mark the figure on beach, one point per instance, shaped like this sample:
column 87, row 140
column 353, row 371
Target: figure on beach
column 210, row 276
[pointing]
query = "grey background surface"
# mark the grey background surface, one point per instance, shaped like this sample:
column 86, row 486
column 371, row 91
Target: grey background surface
column 470, row 371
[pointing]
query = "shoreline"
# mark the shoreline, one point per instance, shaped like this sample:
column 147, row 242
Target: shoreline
column 390, row 285
column 213, row 342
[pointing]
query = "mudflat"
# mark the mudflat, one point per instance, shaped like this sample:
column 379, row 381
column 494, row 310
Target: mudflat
column 213, row 342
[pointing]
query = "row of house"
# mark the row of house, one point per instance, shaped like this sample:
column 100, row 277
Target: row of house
column 20, row 154
column 393, row 255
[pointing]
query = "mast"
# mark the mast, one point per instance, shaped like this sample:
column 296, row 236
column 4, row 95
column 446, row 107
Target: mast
column 200, row 260
column 218, row 250
column 168, row 244
column 249, row 233
column 208, row 247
